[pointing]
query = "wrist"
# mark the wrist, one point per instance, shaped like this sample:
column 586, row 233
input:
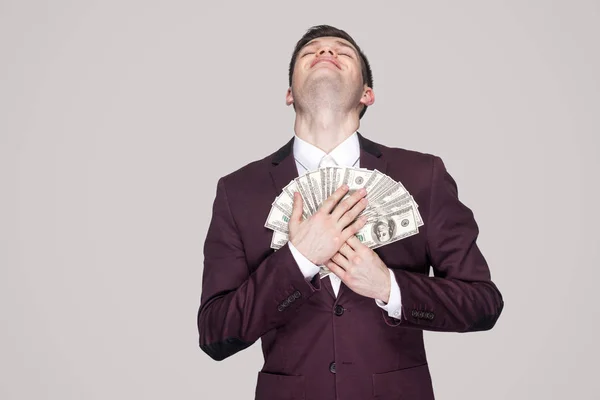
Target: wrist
column 385, row 295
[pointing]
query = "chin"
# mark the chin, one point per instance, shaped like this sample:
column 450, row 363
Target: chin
column 324, row 84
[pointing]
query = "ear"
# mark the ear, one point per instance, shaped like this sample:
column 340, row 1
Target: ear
column 368, row 96
column 289, row 98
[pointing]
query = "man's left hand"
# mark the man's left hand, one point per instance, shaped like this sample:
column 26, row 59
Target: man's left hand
column 361, row 269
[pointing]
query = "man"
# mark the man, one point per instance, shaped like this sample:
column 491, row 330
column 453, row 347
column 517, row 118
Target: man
column 358, row 333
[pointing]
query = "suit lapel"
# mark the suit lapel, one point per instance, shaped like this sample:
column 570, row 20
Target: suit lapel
column 370, row 155
column 283, row 167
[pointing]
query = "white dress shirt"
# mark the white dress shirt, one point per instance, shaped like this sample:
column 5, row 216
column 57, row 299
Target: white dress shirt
column 347, row 154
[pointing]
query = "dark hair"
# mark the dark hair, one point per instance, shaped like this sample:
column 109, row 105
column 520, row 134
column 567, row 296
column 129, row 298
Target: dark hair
column 326, row 30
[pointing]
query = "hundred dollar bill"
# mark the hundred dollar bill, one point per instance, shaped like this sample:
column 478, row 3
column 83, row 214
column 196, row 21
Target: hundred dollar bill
column 278, row 240
column 323, row 180
column 382, row 186
column 277, row 221
column 373, row 182
column 288, row 202
column 355, row 178
column 304, row 189
column 398, row 204
column 284, row 203
column 328, row 185
column 393, row 206
column 337, row 174
column 391, row 193
column 389, row 228
column 381, row 208
column 315, row 189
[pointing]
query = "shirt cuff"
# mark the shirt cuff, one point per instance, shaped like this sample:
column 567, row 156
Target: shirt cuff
column 394, row 305
column 308, row 269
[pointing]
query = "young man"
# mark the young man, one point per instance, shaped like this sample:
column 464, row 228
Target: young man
column 358, row 333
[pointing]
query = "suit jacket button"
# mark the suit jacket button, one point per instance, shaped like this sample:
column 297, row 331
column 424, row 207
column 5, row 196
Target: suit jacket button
column 291, row 299
column 297, row 294
column 431, row 315
column 332, row 368
column 285, row 303
column 414, row 313
column 421, row 314
column 280, row 308
column 339, row 310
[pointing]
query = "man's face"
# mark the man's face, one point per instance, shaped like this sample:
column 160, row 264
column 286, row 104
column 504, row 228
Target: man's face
column 327, row 63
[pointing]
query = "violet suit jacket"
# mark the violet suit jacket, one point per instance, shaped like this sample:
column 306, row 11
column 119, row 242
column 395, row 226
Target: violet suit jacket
column 318, row 346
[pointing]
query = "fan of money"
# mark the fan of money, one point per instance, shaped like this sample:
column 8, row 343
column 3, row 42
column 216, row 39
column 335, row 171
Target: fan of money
column 392, row 213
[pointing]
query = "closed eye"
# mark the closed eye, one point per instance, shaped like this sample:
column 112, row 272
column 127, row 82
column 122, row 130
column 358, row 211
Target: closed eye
column 305, row 54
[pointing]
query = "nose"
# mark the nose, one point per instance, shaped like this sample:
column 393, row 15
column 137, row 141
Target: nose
column 326, row 51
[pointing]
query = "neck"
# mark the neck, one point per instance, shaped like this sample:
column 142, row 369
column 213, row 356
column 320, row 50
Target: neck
column 326, row 129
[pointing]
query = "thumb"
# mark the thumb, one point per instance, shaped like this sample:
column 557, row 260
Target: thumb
column 297, row 209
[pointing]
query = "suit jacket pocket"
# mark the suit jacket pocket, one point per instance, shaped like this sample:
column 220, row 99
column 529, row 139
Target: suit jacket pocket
column 279, row 387
column 413, row 383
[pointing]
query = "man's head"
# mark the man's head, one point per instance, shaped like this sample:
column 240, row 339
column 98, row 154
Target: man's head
column 341, row 51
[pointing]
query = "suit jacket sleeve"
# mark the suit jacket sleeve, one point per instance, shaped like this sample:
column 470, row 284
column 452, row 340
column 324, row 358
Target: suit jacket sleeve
column 238, row 306
column 460, row 297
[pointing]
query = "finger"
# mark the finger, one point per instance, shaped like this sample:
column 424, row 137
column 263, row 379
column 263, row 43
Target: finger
column 352, row 229
column 341, row 261
column 346, row 251
column 347, row 204
column 351, row 214
column 297, row 209
column 332, row 200
column 355, row 243
column 336, row 269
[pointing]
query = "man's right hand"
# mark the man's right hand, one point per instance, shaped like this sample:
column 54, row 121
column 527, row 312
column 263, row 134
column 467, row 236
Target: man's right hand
column 320, row 236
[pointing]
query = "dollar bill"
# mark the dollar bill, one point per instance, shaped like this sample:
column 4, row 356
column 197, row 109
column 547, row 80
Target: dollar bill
column 303, row 188
column 389, row 228
column 277, row 221
column 315, row 189
column 355, row 178
column 279, row 240
column 394, row 206
column 394, row 191
column 384, row 184
column 288, row 201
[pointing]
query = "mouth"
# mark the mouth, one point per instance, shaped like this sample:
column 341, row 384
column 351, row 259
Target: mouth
column 321, row 60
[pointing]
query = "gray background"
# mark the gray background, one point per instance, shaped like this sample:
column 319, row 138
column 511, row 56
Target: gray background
column 118, row 117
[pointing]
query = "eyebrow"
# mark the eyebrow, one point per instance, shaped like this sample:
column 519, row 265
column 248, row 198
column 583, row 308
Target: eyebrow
column 344, row 44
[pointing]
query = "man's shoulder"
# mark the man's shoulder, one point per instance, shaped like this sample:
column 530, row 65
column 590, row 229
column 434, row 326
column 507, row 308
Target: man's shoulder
column 253, row 172
column 402, row 156
column 411, row 167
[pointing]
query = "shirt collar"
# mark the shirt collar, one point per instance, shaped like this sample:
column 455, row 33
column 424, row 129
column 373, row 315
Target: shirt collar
column 345, row 154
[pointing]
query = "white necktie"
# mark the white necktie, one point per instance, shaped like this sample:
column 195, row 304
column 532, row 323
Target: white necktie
column 328, row 161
